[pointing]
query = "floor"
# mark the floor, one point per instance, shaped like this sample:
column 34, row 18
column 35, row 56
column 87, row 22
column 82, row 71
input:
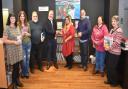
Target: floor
column 63, row 78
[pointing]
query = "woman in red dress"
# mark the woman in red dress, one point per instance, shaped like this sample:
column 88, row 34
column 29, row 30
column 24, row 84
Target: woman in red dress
column 68, row 33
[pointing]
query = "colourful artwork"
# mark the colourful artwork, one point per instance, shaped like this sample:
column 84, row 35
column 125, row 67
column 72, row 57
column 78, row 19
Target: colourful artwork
column 67, row 7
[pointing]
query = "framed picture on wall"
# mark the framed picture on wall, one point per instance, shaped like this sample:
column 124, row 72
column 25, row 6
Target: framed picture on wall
column 67, row 7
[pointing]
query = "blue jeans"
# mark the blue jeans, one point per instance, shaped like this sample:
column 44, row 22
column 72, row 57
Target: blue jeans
column 100, row 61
column 26, row 58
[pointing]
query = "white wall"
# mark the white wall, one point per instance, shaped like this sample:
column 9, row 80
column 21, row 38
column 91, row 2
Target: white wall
column 123, row 14
column 8, row 4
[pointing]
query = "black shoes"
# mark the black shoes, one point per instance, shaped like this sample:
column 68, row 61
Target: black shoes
column 32, row 70
column 111, row 84
column 27, row 77
column 69, row 67
column 95, row 72
column 80, row 66
column 107, row 82
column 84, row 68
column 13, row 86
column 102, row 74
column 66, row 66
column 56, row 65
column 19, row 84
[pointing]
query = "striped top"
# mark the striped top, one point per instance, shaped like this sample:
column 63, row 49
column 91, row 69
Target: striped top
column 117, row 39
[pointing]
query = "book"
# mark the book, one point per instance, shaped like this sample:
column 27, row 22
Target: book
column 108, row 41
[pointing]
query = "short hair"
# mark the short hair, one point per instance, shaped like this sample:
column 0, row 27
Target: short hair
column 84, row 11
column 8, row 20
column 34, row 12
column 115, row 17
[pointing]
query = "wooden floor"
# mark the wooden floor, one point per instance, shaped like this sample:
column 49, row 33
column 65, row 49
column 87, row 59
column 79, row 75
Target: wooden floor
column 63, row 78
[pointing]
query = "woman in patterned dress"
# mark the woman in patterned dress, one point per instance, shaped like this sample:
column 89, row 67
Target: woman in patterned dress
column 13, row 47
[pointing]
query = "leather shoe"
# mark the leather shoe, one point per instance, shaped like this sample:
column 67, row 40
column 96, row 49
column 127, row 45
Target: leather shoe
column 102, row 74
column 96, row 72
column 80, row 66
column 27, row 77
column 19, row 84
column 69, row 67
column 113, row 85
column 32, row 71
column 66, row 65
column 107, row 82
column 85, row 68
column 56, row 65
column 14, row 86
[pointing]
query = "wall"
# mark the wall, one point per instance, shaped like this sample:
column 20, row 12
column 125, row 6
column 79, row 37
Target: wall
column 94, row 8
column 7, row 4
column 34, row 4
column 123, row 13
column 17, row 6
column 113, row 10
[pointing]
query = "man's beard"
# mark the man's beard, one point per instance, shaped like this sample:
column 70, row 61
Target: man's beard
column 35, row 21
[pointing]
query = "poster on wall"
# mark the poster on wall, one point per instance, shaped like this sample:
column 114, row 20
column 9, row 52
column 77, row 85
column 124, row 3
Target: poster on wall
column 67, row 7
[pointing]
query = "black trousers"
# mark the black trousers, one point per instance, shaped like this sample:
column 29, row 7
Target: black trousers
column 51, row 50
column 36, row 55
column 69, row 60
column 112, row 68
column 84, row 53
column 15, row 73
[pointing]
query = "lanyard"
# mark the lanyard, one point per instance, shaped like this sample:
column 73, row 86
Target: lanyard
column 113, row 30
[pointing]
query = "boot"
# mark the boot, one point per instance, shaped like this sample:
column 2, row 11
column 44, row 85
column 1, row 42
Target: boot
column 40, row 67
column 56, row 65
column 14, row 86
column 66, row 62
column 19, row 83
column 32, row 70
column 49, row 64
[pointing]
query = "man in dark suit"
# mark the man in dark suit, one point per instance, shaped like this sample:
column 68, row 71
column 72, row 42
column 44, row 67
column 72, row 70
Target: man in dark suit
column 50, row 28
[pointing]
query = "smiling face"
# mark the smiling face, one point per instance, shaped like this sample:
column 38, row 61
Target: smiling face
column 12, row 20
column 34, row 17
column 22, row 17
column 67, row 21
column 82, row 13
column 115, row 23
column 100, row 20
column 51, row 15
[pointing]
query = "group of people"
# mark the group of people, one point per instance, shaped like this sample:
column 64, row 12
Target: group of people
column 109, row 54
column 24, row 44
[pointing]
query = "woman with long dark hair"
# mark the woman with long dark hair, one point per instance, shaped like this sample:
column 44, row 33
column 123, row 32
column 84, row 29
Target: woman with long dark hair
column 13, row 46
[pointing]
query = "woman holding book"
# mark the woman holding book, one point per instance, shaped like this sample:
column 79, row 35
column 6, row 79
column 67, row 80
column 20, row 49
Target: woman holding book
column 114, row 52
column 99, row 31
column 68, row 33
